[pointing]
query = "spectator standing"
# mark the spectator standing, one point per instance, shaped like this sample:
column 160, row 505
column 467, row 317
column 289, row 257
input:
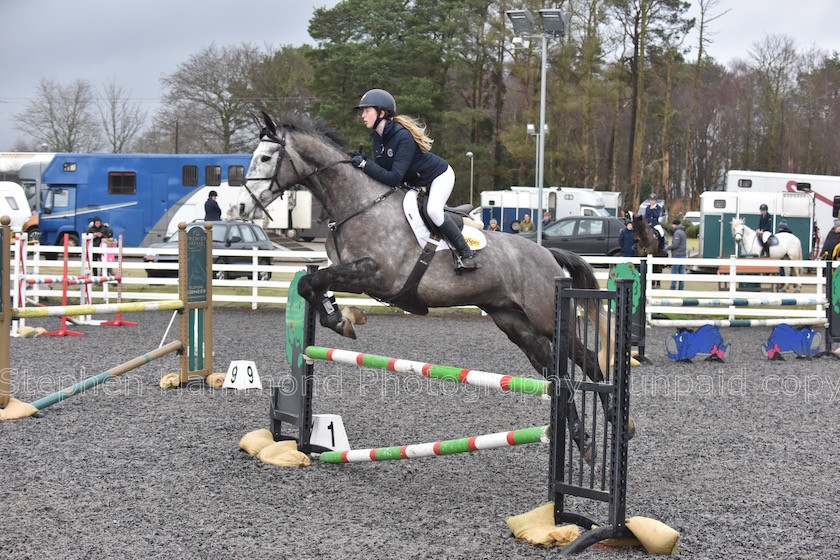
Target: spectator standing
column 493, row 225
column 831, row 247
column 526, row 224
column 678, row 251
column 99, row 231
column 627, row 241
column 783, row 227
column 546, row 218
column 212, row 212
column 765, row 224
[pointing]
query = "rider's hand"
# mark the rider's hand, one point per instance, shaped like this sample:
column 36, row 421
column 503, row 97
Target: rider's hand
column 359, row 161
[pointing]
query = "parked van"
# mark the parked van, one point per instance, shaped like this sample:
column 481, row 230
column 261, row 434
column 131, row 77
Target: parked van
column 14, row 205
column 824, row 189
column 508, row 207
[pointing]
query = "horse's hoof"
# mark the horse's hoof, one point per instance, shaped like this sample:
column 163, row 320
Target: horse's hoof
column 345, row 328
column 354, row 315
column 590, row 453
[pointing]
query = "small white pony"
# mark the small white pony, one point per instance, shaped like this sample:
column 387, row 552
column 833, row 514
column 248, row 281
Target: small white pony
column 788, row 246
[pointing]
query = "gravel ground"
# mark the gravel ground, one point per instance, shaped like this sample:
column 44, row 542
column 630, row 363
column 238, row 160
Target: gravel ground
column 740, row 457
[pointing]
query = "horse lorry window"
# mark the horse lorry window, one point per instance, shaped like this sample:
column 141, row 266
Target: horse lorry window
column 213, row 175
column 236, row 175
column 190, row 176
column 122, row 182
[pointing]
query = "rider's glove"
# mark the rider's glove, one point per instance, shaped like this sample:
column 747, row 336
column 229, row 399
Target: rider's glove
column 359, row 161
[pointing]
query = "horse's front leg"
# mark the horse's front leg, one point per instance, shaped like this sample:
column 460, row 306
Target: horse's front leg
column 362, row 276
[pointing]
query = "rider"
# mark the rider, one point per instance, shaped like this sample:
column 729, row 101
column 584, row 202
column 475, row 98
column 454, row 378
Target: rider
column 401, row 155
column 765, row 224
column 652, row 214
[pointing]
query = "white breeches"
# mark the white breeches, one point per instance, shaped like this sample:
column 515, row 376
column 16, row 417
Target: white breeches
column 439, row 192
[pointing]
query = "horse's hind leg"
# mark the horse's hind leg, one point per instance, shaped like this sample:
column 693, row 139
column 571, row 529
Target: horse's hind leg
column 356, row 277
column 538, row 348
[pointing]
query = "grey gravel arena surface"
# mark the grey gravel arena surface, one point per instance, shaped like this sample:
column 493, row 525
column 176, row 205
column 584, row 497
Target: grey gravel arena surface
column 740, row 457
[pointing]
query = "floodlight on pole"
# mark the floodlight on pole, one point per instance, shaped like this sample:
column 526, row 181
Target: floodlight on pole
column 522, row 21
column 554, row 24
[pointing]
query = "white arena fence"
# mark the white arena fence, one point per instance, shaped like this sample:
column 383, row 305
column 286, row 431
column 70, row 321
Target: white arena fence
column 702, row 278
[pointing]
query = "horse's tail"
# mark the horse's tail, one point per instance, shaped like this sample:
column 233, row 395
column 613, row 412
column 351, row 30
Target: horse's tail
column 583, row 277
column 579, row 270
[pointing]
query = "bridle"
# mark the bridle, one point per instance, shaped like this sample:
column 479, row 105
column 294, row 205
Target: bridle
column 739, row 239
column 267, row 135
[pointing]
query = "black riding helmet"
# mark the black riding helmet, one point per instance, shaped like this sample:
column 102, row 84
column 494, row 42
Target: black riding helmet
column 763, row 207
column 379, row 99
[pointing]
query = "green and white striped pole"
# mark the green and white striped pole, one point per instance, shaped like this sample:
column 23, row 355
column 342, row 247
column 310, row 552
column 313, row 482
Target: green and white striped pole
column 446, row 373
column 434, row 448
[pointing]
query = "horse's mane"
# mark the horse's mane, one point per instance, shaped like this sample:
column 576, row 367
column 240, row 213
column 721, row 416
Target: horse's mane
column 304, row 124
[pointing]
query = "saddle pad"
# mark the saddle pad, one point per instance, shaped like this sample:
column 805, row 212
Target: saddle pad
column 475, row 237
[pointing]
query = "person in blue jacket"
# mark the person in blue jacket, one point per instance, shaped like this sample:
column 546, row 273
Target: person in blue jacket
column 212, row 212
column 765, row 224
column 401, row 155
column 627, row 241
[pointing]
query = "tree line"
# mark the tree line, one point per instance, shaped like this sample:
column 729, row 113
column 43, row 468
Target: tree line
column 631, row 105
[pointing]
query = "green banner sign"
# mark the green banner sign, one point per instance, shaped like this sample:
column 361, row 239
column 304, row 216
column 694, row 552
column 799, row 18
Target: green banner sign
column 196, row 265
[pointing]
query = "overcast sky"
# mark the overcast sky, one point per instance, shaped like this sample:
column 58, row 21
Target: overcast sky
column 138, row 41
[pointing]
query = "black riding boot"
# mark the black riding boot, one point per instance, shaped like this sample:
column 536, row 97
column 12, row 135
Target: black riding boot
column 453, row 235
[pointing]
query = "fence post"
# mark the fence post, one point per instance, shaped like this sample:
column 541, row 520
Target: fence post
column 5, row 314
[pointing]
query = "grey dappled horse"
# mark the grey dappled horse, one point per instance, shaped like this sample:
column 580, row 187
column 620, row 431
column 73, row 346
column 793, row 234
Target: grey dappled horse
column 373, row 249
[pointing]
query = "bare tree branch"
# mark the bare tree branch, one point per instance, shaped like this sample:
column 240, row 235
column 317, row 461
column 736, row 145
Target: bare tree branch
column 61, row 117
column 121, row 120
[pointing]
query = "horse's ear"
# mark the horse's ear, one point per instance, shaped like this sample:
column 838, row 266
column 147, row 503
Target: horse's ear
column 269, row 124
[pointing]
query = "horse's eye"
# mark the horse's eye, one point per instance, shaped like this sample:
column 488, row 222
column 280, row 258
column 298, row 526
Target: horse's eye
column 265, row 158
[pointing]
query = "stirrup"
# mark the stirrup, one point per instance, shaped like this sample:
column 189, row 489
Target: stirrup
column 461, row 265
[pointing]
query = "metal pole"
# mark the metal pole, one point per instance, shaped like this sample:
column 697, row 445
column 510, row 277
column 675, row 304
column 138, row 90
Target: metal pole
column 472, row 162
column 541, row 166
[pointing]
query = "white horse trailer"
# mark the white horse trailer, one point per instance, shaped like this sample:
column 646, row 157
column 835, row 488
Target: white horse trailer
column 718, row 208
column 508, row 207
column 823, row 189
column 613, row 202
column 298, row 215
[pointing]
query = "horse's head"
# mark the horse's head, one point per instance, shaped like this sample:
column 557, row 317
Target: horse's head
column 264, row 182
column 738, row 229
column 288, row 155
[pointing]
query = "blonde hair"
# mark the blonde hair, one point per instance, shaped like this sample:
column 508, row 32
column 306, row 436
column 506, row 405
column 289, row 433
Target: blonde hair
column 417, row 130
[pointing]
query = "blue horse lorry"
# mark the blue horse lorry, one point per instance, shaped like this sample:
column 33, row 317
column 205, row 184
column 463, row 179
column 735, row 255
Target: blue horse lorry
column 145, row 196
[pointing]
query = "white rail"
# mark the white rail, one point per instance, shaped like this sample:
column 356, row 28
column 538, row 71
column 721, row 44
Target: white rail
column 701, row 281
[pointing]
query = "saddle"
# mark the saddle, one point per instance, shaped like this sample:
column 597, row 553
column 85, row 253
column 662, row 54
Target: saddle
column 457, row 213
column 414, row 206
